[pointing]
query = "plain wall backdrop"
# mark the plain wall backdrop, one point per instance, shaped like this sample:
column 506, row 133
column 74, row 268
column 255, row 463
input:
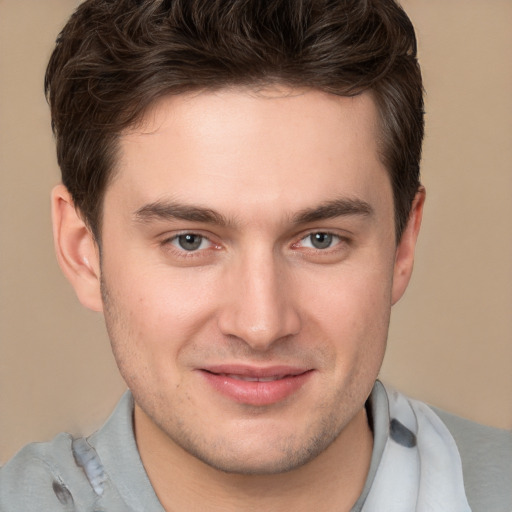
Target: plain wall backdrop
column 451, row 335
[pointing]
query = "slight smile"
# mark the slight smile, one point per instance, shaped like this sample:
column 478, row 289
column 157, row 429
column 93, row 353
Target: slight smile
column 255, row 385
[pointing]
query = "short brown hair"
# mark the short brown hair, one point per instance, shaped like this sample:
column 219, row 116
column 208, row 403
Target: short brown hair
column 114, row 58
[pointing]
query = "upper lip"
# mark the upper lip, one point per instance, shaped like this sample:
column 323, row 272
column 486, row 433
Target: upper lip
column 256, row 371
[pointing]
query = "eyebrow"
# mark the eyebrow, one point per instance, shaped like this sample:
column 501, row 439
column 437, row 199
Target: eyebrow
column 331, row 209
column 160, row 210
column 164, row 210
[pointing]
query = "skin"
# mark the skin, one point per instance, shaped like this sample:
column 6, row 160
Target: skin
column 258, row 291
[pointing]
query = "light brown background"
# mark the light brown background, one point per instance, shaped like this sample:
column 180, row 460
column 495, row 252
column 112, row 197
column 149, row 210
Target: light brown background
column 451, row 336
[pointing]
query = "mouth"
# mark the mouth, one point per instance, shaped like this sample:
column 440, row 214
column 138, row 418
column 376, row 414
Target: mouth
column 255, row 385
column 248, row 378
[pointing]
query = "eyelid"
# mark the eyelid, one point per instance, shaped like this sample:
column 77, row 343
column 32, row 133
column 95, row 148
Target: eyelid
column 175, row 241
column 341, row 238
column 167, row 241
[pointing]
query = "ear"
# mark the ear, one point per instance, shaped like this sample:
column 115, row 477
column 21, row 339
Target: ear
column 76, row 248
column 404, row 256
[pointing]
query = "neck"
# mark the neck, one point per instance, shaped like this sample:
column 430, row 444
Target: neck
column 332, row 481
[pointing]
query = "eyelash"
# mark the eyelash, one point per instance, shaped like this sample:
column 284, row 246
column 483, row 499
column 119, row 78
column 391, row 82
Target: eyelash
column 335, row 239
column 170, row 243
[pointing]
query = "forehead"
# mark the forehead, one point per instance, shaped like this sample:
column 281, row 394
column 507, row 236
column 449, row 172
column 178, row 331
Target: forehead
column 277, row 146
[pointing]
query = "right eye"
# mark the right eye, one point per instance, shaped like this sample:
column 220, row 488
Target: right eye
column 190, row 242
column 319, row 240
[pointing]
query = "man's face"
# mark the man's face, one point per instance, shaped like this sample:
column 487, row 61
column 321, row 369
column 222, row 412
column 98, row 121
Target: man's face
column 248, row 255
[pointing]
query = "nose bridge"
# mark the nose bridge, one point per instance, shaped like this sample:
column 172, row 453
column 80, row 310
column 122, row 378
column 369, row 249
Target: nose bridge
column 259, row 308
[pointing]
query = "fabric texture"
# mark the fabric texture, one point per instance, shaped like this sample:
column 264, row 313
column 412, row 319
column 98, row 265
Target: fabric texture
column 420, row 468
column 415, row 465
column 486, row 455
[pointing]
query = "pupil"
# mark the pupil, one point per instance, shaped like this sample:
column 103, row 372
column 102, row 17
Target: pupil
column 321, row 240
column 189, row 242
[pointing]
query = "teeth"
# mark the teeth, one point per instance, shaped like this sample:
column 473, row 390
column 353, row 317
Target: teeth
column 247, row 378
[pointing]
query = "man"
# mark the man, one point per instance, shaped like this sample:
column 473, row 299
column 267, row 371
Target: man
column 241, row 200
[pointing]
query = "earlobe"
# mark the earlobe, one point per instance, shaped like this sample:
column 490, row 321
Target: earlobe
column 404, row 256
column 76, row 249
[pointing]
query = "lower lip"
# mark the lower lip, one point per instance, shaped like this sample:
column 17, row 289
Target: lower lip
column 257, row 392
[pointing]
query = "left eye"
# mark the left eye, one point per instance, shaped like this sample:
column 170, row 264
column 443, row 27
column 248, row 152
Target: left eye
column 190, row 242
column 320, row 240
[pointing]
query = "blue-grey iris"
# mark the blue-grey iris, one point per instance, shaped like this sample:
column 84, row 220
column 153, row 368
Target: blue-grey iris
column 190, row 242
column 321, row 240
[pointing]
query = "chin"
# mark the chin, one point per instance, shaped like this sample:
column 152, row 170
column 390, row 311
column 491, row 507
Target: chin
column 247, row 465
column 266, row 455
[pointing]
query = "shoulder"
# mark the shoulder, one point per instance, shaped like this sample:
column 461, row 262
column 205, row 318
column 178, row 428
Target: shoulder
column 43, row 476
column 486, row 455
column 100, row 472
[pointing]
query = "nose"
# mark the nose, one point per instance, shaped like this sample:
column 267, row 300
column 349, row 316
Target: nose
column 259, row 306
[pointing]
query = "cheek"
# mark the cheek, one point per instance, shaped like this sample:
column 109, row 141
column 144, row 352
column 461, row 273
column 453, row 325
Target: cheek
column 349, row 296
column 351, row 308
column 156, row 308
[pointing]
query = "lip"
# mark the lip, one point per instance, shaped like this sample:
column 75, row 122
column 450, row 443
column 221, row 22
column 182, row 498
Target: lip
column 256, row 386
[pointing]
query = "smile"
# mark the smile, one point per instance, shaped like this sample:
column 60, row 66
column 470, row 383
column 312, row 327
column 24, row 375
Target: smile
column 256, row 386
column 248, row 378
